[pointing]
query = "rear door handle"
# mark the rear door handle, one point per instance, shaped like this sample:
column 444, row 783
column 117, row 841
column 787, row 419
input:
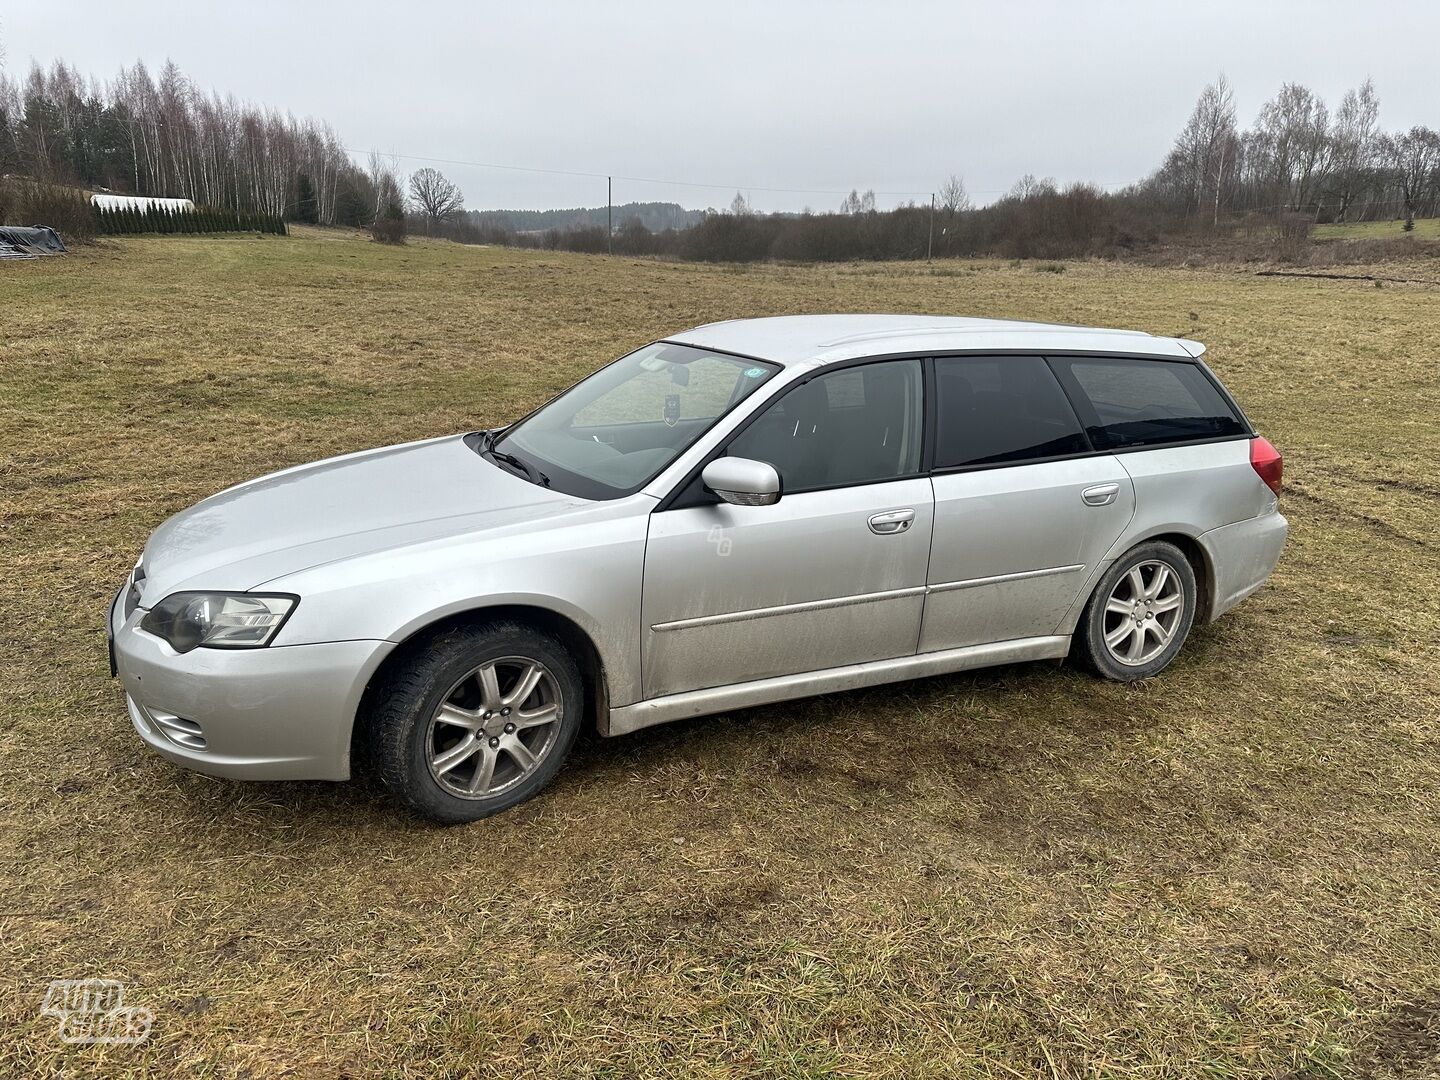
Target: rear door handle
column 1100, row 494
column 892, row 521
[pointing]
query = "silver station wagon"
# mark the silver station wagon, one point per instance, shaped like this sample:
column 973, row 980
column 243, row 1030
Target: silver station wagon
column 744, row 513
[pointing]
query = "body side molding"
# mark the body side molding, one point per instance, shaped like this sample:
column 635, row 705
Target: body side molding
column 859, row 598
column 787, row 609
column 997, row 579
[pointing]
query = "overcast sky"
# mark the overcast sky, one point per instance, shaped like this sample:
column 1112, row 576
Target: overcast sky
column 806, row 94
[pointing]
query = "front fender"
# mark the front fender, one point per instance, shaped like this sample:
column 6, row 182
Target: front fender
column 587, row 568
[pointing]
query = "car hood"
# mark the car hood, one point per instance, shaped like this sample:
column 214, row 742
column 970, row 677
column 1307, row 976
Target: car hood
column 336, row 509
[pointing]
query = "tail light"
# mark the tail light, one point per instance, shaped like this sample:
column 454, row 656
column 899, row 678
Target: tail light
column 1267, row 462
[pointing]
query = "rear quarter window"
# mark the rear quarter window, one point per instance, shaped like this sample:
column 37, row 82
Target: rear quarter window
column 1127, row 403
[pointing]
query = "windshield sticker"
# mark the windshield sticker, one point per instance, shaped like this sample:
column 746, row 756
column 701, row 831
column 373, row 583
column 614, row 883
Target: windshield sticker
column 754, row 372
column 672, row 409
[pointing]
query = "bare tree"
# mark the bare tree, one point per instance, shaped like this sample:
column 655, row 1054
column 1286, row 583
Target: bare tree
column 1293, row 133
column 435, row 197
column 1355, row 142
column 954, row 199
column 379, row 173
column 1203, row 157
column 1028, row 187
column 1414, row 162
column 855, row 203
column 740, row 206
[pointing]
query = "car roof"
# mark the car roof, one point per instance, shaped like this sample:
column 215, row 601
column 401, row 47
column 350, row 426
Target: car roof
column 817, row 340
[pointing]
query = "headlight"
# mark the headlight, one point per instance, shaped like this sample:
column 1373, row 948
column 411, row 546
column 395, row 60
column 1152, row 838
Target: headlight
column 189, row 620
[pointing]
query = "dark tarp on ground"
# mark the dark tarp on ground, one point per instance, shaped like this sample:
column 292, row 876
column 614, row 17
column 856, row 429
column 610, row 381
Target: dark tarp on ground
column 34, row 240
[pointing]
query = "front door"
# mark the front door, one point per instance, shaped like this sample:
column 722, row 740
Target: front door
column 832, row 574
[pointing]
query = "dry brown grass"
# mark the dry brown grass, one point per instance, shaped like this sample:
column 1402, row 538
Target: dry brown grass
column 1228, row 871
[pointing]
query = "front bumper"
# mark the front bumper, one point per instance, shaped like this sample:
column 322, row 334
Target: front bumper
column 277, row 713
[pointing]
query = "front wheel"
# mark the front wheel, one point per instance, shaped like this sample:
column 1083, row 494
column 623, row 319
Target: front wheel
column 477, row 721
column 1139, row 614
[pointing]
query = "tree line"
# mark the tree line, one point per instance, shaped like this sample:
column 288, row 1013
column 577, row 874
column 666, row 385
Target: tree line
column 161, row 136
column 1297, row 165
column 1298, row 157
column 655, row 216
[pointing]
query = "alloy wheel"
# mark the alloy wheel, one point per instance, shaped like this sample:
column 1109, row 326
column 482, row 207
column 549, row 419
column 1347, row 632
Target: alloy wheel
column 1143, row 613
column 494, row 727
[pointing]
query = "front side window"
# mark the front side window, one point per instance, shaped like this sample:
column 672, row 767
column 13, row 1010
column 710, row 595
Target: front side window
column 853, row 426
column 1142, row 402
column 610, row 434
column 993, row 410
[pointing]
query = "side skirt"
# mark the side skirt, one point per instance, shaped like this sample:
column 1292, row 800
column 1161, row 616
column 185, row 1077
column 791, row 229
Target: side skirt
column 716, row 699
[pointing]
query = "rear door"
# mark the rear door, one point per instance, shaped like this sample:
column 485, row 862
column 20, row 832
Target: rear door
column 1024, row 507
column 832, row 574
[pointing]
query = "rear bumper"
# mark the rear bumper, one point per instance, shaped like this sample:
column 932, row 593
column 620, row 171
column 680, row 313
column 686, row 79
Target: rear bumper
column 279, row 713
column 1242, row 556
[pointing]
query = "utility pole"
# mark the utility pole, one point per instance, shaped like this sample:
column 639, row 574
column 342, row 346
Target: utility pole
column 930, row 243
column 609, row 212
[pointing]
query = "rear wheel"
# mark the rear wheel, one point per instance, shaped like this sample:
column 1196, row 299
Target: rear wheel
column 1139, row 614
column 479, row 720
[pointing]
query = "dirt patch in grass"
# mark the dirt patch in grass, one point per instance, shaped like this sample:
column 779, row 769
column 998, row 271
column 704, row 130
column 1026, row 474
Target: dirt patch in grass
column 1228, row 871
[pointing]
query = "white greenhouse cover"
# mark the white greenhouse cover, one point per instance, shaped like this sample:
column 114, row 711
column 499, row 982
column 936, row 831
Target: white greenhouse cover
column 139, row 202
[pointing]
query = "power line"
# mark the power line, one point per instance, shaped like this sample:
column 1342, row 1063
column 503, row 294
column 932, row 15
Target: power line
column 616, row 176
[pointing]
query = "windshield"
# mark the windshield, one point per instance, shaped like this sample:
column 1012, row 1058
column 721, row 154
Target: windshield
column 610, row 434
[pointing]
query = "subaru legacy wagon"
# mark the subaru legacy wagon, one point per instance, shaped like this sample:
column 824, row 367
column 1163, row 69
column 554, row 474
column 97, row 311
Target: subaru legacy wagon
column 747, row 512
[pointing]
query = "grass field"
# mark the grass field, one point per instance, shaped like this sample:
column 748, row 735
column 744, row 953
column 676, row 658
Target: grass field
column 1228, row 871
column 1425, row 229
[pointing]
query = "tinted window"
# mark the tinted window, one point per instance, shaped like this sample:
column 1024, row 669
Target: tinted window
column 1138, row 402
column 1001, row 409
column 849, row 427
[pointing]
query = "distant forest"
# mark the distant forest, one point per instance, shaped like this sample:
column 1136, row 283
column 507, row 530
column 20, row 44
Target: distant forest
column 654, row 216
column 1300, row 163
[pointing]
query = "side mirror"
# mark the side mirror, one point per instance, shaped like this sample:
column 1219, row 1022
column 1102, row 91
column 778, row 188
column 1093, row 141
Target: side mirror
column 742, row 481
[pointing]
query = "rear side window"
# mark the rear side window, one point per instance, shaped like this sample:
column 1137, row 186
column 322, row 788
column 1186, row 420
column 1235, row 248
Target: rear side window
column 1140, row 402
column 1001, row 410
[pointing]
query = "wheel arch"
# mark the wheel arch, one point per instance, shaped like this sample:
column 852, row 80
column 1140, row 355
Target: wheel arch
column 1189, row 545
column 547, row 620
column 1199, row 560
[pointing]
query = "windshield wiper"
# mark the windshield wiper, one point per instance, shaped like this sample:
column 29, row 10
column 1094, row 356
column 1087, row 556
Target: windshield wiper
column 534, row 475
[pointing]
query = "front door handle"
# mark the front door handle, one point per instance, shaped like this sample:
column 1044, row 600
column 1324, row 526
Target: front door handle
column 1100, row 494
column 892, row 521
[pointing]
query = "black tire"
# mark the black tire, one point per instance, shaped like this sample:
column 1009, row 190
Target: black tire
column 403, row 736
column 1098, row 620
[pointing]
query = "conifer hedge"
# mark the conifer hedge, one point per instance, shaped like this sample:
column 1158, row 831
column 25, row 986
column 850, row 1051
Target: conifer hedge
column 131, row 221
